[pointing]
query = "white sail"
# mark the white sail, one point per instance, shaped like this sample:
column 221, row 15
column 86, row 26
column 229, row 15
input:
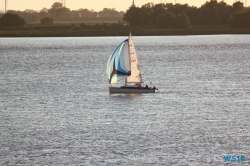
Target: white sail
column 135, row 76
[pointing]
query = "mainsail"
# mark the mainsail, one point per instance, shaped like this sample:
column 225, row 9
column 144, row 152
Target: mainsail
column 118, row 66
column 135, row 76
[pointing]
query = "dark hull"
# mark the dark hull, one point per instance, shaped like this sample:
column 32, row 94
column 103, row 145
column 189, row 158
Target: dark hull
column 131, row 90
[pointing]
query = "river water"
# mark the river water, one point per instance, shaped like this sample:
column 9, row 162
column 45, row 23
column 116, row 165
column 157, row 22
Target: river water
column 55, row 108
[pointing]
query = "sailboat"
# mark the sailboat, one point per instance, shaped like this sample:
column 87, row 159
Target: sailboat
column 123, row 64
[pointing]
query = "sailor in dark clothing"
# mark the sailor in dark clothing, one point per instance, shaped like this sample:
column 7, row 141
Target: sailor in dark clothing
column 155, row 88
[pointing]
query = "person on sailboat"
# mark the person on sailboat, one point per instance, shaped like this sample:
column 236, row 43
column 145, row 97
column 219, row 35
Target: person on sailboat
column 155, row 88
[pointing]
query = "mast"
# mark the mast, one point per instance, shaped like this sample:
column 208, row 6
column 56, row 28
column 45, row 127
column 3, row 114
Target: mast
column 129, row 55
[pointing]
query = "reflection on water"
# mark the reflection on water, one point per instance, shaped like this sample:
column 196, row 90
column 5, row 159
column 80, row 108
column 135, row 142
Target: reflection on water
column 128, row 95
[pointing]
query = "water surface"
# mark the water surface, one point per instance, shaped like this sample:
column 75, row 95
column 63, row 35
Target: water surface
column 55, row 108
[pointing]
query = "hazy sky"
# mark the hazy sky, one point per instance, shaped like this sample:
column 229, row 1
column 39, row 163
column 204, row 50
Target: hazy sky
column 97, row 5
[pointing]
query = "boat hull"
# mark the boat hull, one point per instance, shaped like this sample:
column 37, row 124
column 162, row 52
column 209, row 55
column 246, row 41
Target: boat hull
column 131, row 90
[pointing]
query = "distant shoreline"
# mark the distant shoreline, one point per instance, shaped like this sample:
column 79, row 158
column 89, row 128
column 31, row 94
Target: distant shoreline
column 73, row 31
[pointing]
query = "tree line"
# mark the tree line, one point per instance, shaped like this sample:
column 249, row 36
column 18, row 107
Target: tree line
column 170, row 15
column 58, row 10
column 161, row 16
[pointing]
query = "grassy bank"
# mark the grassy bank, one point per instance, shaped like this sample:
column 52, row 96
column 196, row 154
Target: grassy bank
column 88, row 20
column 107, row 29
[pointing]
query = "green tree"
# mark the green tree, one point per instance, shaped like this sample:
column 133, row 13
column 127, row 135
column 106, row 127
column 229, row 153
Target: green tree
column 157, row 10
column 168, row 20
column 133, row 16
column 216, row 13
column 42, row 14
column 237, row 7
column 10, row 19
column 209, row 13
column 85, row 13
column 47, row 21
column 57, row 5
column 181, row 21
column 109, row 13
column 146, row 12
column 240, row 20
column 194, row 15
column 223, row 13
column 178, row 8
column 29, row 15
column 165, row 21
column 57, row 10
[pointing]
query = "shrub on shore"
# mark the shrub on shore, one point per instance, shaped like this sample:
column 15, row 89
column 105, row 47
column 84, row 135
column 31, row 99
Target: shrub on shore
column 47, row 21
column 11, row 20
